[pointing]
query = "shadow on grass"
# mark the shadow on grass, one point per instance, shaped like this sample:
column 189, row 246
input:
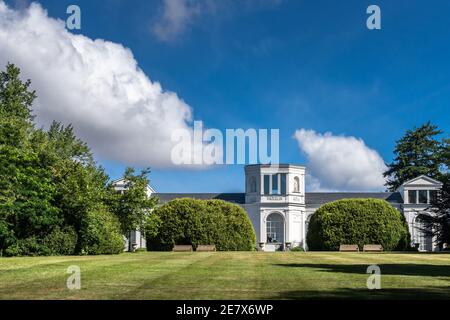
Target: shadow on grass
column 427, row 293
column 423, row 270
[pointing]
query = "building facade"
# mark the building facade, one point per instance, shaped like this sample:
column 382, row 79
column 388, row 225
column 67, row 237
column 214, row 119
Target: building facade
column 280, row 209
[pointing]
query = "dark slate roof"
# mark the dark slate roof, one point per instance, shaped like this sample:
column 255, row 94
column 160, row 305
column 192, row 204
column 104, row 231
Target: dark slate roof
column 319, row 198
column 312, row 198
column 238, row 198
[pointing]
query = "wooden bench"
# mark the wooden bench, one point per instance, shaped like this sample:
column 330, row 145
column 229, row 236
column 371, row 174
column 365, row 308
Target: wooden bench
column 348, row 248
column 206, row 247
column 182, row 248
column 373, row 248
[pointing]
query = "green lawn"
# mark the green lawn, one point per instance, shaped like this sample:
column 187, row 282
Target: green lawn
column 228, row 275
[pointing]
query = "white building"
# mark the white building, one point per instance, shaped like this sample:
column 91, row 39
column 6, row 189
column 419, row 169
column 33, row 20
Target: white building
column 280, row 209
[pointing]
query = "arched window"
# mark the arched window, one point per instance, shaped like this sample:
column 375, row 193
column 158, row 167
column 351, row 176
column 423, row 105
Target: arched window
column 297, row 185
column 275, row 228
column 252, row 184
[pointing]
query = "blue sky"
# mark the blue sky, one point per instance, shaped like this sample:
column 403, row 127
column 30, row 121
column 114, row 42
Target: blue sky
column 283, row 64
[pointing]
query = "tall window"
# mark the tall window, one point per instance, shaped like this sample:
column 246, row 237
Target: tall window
column 275, row 187
column 412, row 196
column 283, row 183
column 266, row 184
column 296, row 184
column 423, row 196
column 252, row 184
column 275, row 228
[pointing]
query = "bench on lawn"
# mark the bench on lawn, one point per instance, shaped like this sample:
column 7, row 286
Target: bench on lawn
column 373, row 248
column 182, row 248
column 206, row 247
column 349, row 248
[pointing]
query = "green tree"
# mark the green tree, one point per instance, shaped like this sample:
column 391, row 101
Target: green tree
column 16, row 100
column 437, row 223
column 417, row 153
column 51, row 189
column 134, row 204
column 27, row 210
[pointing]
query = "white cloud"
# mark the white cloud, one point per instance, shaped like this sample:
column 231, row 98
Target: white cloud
column 177, row 16
column 340, row 163
column 94, row 84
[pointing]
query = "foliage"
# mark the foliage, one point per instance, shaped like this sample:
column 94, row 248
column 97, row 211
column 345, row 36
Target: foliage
column 297, row 249
column 417, row 153
column 357, row 221
column 61, row 241
column 134, row 205
column 27, row 210
column 52, row 193
column 101, row 234
column 190, row 221
column 420, row 152
column 437, row 222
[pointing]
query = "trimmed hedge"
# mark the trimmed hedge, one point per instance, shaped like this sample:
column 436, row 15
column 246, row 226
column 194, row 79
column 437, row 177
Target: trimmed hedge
column 357, row 221
column 191, row 221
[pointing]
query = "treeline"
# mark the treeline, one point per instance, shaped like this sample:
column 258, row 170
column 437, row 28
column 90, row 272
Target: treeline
column 425, row 150
column 54, row 198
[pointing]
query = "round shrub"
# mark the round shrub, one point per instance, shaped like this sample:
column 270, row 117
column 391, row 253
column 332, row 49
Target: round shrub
column 357, row 221
column 101, row 234
column 61, row 241
column 194, row 222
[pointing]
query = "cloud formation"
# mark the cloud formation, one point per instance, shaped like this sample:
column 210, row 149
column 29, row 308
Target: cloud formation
column 340, row 163
column 177, row 16
column 94, row 84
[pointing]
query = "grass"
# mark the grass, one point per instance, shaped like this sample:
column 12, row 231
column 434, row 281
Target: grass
column 228, row 275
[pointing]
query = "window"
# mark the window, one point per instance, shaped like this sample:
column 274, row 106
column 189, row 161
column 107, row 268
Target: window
column 275, row 184
column 283, row 183
column 266, row 184
column 423, row 196
column 275, row 228
column 297, row 185
column 252, row 184
column 412, row 196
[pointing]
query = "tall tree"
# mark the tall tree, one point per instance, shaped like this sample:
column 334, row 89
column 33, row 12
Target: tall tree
column 417, row 152
column 27, row 211
column 134, row 204
column 437, row 224
column 16, row 100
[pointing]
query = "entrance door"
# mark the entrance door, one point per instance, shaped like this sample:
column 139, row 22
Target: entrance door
column 275, row 232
